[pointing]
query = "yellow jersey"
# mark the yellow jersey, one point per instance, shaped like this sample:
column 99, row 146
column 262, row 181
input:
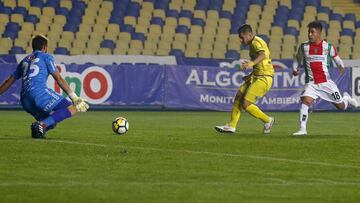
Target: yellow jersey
column 264, row 67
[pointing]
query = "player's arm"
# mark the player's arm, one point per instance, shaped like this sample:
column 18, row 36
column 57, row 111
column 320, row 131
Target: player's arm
column 336, row 58
column 7, row 84
column 260, row 57
column 80, row 104
column 297, row 61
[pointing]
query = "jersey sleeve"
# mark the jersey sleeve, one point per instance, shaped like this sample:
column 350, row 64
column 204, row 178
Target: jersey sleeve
column 50, row 64
column 333, row 52
column 258, row 46
column 18, row 71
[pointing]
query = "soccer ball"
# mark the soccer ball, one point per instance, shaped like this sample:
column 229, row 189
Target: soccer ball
column 120, row 125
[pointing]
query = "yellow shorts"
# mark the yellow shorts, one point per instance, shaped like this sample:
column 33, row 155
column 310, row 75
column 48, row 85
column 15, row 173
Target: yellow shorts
column 256, row 88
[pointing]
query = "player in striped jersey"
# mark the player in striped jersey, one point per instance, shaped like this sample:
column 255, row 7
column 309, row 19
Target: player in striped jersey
column 315, row 56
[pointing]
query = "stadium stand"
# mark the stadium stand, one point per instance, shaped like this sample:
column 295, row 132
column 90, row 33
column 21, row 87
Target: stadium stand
column 189, row 28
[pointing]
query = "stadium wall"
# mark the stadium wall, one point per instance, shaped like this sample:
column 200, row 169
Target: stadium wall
column 184, row 87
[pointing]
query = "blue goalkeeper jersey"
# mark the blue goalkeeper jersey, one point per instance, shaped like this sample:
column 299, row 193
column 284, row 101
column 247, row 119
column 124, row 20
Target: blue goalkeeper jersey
column 34, row 70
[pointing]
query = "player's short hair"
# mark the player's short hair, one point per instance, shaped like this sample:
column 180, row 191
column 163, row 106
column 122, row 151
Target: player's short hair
column 315, row 24
column 39, row 42
column 245, row 28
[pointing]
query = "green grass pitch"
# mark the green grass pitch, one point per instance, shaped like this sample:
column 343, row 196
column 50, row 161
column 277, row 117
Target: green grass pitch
column 178, row 157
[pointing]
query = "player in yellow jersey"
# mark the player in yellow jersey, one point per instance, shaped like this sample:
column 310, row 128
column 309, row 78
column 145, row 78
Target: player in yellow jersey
column 255, row 85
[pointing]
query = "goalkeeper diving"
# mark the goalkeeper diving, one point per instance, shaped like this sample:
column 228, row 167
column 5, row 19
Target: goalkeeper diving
column 44, row 104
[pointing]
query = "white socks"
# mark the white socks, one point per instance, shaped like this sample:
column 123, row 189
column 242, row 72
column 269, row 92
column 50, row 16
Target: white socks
column 304, row 111
column 346, row 102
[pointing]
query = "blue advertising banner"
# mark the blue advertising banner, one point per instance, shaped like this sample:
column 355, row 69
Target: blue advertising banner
column 180, row 87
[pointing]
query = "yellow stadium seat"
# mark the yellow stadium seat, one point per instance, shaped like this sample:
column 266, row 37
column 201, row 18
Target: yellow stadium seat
column 107, row 5
column 67, row 36
column 99, row 28
column 293, row 23
column 91, row 51
column 196, row 29
column 130, row 20
column 145, row 14
column 103, row 21
column 122, row 45
column 349, row 25
column 149, row 52
column 4, row 50
column 167, row 37
column 155, row 29
column 175, row 6
column 66, row 4
column 96, row 37
column 169, row 29
column 28, row 27
column 150, row 45
column 227, row 7
column 153, row 37
column 64, row 43
column 48, row 11
column 2, row 29
column 105, row 51
column 194, row 37
column 221, row 38
column 82, row 36
column 85, row 28
column 159, row 13
column 162, row 52
column 224, row 23
column 141, row 29
column 209, row 30
column 114, row 28
column 45, row 20
column 88, row 21
column 200, row 14
column 17, row 18
column 286, row 3
column 212, row 15
column 346, row 40
column 164, row 45
column 10, row 3
column 41, row 28
column 189, row 7
column 203, row 53
column 323, row 17
column 134, row 51
column 274, row 47
column 6, row 42
column 178, row 45
column 124, row 36
column 24, row 3
column 76, row 51
column 54, row 36
column 79, row 44
column 119, row 51
column 289, row 39
column 93, row 44
column 4, row 19
column 148, row 6
column 144, row 21
column 59, row 19
column 311, row 10
column 194, row 46
column 190, row 53
column 355, row 55
column 185, row 21
column 56, row 28
column 218, row 54
column 171, row 21
column 136, row 44
column 111, row 36
column 180, row 37
column 206, row 46
column 35, row 11
column 21, row 43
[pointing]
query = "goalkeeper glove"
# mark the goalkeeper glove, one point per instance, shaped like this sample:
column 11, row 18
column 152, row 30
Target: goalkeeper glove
column 80, row 104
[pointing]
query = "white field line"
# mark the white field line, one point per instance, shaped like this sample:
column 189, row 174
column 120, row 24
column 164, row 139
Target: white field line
column 268, row 158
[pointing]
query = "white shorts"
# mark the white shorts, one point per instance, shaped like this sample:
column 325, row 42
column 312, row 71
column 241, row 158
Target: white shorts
column 327, row 91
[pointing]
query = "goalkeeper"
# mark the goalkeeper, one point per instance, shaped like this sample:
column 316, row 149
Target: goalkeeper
column 44, row 104
column 256, row 85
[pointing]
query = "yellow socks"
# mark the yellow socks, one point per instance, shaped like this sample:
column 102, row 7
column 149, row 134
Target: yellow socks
column 235, row 114
column 257, row 113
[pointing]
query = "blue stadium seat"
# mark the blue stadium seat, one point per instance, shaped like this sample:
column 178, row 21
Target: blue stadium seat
column 291, row 31
column 215, row 5
column 258, row 2
column 133, row 9
column 61, row 50
column 126, row 28
column 315, row 3
column 323, row 10
column 70, row 27
column 198, row 21
column 324, row 24
column 182, row 29
column 53, row 3
column 186, row 14
column 202, row 5
column 138, row 36
column 6, row 10
column 62, row 11
column 350, row 17
column 37, row 3
column 17, row 50
column 21, row 10
column 157, row 21
column 108, row 44
column 176, row 52
column 225, row 14
column 32, row 18
column 265, row 38
column 347, row 32
column 162, row 4
column 357, row 25
column 336, row 16
column 232, row 54
column 172, row 13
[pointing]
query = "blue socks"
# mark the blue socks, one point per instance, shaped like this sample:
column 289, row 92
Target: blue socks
column 61, row 112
